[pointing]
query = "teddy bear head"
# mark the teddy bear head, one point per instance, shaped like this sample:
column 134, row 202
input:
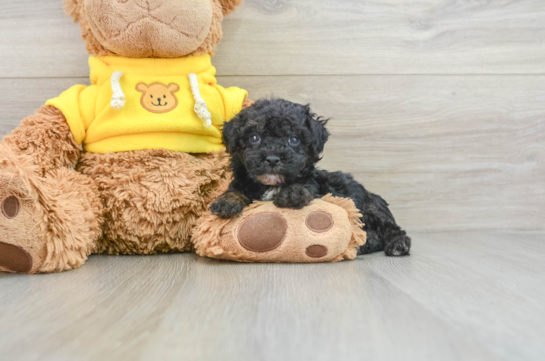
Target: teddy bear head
column 150, row 28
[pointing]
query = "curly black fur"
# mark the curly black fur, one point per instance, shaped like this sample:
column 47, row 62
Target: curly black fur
column 279, row 143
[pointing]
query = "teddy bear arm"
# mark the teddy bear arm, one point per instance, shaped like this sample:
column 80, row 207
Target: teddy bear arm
column 229, row 5
column 47, row 138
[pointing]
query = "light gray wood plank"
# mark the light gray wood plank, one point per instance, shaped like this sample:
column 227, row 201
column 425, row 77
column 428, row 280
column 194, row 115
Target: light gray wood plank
column 384, row 37
column 38, row 40
column 447, row 152
column 185, row 307
column 491, row 286
column 267, row 37
column 21, row 97
column 326, row 312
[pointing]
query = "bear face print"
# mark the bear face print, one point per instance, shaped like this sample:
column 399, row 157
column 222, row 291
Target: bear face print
column 157, row 97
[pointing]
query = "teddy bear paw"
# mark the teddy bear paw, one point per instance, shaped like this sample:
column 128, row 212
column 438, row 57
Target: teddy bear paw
column 20, row 248
column 320, row 232
column 308, row 235
column 265, row 232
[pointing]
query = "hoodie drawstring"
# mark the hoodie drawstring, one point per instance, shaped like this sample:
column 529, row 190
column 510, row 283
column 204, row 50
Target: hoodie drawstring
column 118, row 97
column 200, row 105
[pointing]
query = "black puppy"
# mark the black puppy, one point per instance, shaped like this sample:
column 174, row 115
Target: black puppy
column 275, row 145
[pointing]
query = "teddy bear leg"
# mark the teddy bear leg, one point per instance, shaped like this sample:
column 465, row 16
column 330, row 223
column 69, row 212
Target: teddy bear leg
column 47, row 224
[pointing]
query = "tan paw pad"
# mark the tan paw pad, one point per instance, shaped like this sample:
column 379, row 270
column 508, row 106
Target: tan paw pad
column 252, row 236
column 319, row 221
column 14, row 259
column 319, row 232
column 10, row 207
column 20, row 248
column 316, row 251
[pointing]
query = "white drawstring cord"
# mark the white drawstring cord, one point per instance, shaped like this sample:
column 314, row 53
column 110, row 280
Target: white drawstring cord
column 118, row 97
column 200, row 105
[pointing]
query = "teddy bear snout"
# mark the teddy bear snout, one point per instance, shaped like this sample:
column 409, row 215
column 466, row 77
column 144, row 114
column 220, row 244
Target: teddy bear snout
column 135, row 28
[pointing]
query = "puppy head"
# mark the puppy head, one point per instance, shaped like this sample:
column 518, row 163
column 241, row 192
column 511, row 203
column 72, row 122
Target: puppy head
column 275, row 140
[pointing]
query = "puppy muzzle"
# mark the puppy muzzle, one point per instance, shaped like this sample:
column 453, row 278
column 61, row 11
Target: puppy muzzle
column 270, row 179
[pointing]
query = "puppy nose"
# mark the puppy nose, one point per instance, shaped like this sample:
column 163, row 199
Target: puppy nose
column 272, row 160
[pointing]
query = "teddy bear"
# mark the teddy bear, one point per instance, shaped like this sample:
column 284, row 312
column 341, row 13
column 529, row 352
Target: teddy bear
column 131, row 163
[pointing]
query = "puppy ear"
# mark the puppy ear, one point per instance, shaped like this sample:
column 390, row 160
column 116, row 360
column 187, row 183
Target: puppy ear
column 229, row 134
column 229, row 6
column 318, row 131
column 233, row 131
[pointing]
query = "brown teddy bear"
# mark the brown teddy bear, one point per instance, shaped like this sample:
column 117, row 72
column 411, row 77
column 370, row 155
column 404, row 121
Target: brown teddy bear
column 130, row 164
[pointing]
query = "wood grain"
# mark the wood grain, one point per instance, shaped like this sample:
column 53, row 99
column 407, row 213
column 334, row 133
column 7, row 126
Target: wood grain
column 459, row 296
column 277, row 37
column 447, row 152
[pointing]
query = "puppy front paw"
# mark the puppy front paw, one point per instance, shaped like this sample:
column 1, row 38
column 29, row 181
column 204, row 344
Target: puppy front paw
column 229, row 205
column 295, row 196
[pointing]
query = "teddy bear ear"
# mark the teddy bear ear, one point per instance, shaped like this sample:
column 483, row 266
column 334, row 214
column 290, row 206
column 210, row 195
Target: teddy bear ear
column 229, row 6
column 71, row 7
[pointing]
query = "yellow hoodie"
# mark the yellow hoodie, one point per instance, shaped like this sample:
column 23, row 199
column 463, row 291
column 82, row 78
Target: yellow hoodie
column 136, row 104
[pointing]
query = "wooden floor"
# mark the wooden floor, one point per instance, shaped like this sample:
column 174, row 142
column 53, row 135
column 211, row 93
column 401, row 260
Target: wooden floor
column 459, row 296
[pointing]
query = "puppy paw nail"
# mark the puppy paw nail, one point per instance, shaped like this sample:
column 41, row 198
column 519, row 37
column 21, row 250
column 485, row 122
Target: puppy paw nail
column 262, row 232
column 319, row 222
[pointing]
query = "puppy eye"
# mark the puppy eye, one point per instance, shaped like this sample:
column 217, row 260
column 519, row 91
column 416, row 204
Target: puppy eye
column 294, row 141
column 255, row 139
column 164, row 96
column 151, row 96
